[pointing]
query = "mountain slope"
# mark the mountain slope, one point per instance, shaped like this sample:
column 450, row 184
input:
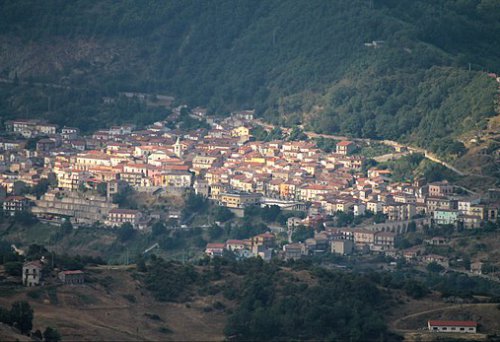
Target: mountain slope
column 292, row 60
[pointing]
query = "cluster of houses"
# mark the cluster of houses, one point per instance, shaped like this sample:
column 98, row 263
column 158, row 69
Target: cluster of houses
column 34, row 274
column 262, row 245
column 223, row 163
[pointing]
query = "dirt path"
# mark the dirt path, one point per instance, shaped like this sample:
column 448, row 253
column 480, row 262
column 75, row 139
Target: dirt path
column 394, row 324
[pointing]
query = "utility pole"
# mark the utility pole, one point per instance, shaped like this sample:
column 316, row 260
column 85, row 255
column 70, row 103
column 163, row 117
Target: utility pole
column 274, row 35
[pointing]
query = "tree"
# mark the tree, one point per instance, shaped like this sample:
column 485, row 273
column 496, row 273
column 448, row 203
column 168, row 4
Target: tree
column 215, row 231
column 434, row 267
column 379, row 218
column 302, row 233
column 270, row 213
column 51, row 335
column 343, row 219
column 66, row 227
column 5, row 316
column 125, row 197
column 297, row 134
column 40, row 188
column 21, row 316
column 194, row 204
column 141, row 265
column 20, row 188
column 38, row 334
column 412, row 226
column 415, row 289
column 223, row 214
column 102, row 188
column 14, row 268
column 35, row 252
column 25, row 218
column 158, row 228
column 125, row 232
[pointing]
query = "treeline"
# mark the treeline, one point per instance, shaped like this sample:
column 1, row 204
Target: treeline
column 13, row 262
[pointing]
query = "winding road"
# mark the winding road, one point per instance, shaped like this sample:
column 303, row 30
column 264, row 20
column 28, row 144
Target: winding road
column 427, row 154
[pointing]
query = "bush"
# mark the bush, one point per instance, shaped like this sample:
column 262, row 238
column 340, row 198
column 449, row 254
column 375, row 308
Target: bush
column 302, row 233
column 165, row 330
column 219, row 306
column 222, row 214
column 130, row 297
column 35, row 293
column 125, row 232
column 154, row 317
column 21, row 316
column 14, row 268
column 25, row 218
column 434, row 267
column 51, row 335
column 415, row 289
column 158, row 228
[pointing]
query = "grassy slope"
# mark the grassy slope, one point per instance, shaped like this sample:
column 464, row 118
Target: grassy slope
column 96, row 312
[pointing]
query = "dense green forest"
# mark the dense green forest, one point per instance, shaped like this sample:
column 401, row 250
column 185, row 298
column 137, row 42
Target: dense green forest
column 299, row 300
column 276, row 303
column 399, row 69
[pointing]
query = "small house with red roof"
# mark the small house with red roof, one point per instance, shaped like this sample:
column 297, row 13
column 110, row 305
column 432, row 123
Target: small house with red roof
column 72, row 277
column 215, row 249
column 345, row 147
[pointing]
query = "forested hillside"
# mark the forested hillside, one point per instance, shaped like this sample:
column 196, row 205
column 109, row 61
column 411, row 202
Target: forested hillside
column 398, row 69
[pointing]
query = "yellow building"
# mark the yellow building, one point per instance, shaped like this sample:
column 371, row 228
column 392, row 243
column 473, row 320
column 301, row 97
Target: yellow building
column 239, row 200
column 240, row 131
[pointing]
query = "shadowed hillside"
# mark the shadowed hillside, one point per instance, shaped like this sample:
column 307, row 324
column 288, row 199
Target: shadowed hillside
column 407, row 70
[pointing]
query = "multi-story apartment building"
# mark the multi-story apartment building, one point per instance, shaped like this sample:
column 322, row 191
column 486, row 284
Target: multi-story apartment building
column 80, row 208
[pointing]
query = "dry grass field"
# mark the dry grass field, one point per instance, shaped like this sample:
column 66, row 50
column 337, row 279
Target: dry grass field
column 410, row 319
column 114, row 307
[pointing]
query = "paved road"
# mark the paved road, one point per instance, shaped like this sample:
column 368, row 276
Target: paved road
column 429, row 155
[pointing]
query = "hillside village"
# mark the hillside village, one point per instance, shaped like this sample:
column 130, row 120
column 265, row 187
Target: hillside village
column 79, row 175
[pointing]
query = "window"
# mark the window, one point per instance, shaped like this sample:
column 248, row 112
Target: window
column 462, row 329
column 445, row 328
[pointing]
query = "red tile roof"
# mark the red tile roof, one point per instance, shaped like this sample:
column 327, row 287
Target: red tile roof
column 454, row 323
column 72, row 272
column 123, row 211
column 216, row 245
column 344, row 143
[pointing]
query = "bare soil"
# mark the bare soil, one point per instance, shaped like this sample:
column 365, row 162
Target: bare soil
column 115, row 307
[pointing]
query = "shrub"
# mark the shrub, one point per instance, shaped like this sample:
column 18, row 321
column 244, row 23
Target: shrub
column 51, row 335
